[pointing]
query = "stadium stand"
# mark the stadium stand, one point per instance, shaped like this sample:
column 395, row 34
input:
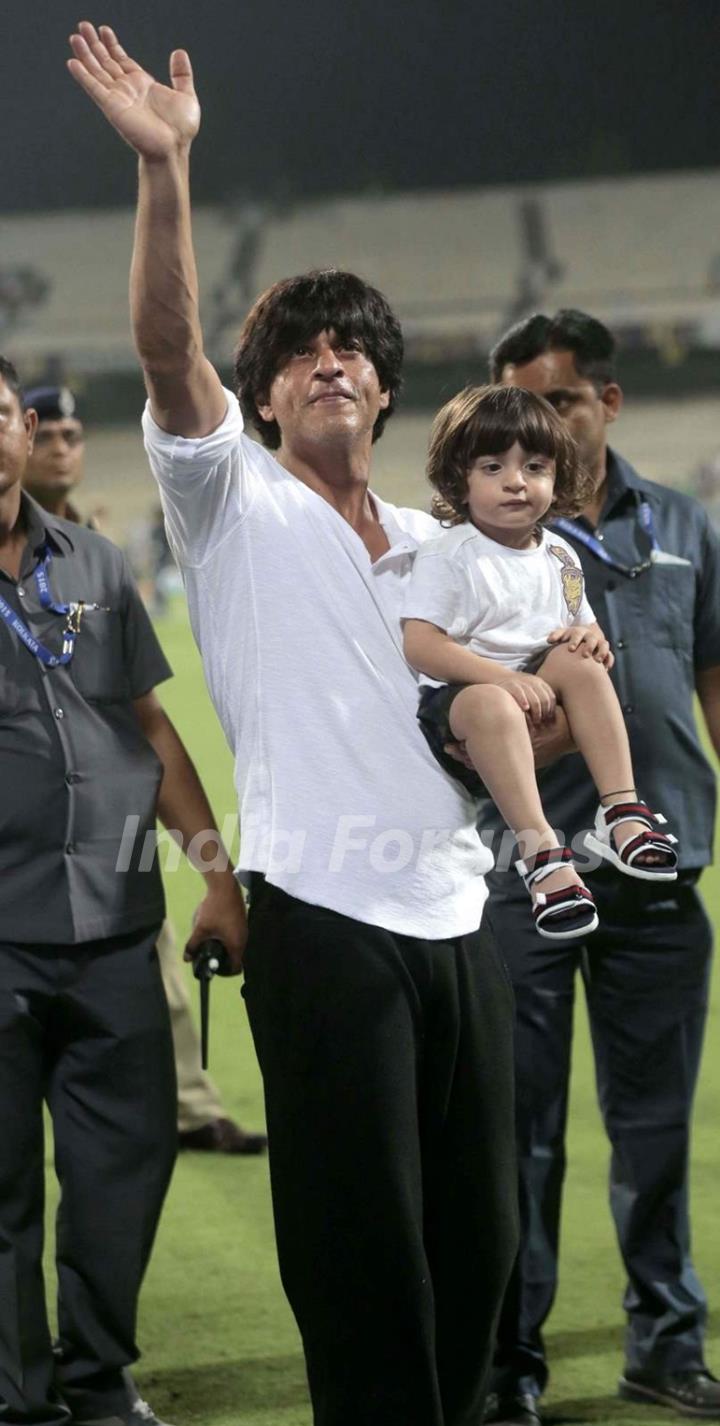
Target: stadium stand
column 642, row 253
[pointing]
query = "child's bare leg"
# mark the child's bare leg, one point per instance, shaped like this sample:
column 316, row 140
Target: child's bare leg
column 495, row 732
column 591, row 707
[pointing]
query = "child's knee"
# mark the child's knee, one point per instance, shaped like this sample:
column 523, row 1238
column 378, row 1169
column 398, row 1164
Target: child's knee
column 485, row 706
column 562, row 665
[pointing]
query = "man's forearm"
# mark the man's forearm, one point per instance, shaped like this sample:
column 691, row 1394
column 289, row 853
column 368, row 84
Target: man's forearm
column 185, row 810
column 163, row 274
column 184, row 389
column 182, row 804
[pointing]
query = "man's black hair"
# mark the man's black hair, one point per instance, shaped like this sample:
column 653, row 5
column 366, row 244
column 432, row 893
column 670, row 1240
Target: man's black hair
column 9, row 375
column 295, row 310
column 591, row 344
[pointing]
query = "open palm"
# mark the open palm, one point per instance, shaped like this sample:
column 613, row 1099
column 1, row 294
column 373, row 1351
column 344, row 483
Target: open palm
column 154, row 119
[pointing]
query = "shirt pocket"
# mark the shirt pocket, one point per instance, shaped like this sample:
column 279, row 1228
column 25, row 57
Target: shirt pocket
column 98, row 665
column 669, row 620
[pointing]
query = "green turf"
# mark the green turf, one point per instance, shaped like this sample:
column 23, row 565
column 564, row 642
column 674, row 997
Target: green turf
column 219, row 1343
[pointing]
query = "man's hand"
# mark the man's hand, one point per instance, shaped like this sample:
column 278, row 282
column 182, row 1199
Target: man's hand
column 550, row 741
column 154, row 119
column 532, row 694
column 586, row 639
column 221, row 916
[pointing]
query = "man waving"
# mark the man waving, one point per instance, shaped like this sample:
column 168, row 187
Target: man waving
column 381, row 1014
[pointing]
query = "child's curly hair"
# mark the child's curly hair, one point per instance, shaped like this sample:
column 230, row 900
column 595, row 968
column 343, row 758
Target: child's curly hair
column 487, row 420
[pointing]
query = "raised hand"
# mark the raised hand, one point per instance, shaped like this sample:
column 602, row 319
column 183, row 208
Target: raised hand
column 154, row 119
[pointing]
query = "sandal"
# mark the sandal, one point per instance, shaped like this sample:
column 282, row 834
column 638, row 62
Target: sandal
column 564, row 914
column 625, row 857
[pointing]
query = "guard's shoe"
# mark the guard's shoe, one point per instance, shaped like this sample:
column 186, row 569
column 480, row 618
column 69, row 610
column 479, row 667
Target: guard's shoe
column 695, row 1393
column 518, row 1408
column 222, row 1136
column 138, row 1414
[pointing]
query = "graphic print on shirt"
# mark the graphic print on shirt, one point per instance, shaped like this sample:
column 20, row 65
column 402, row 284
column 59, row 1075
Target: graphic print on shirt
column 572, row 578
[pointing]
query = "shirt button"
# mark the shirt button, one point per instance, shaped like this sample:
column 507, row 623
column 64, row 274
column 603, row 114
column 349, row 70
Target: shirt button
column 71, row 777
column 21, row 591
column 59, row 713
column 70, row 849
column 619, row 643
column 628, row 708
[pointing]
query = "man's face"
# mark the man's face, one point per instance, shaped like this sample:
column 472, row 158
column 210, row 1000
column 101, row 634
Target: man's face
column 17, row 428
column 56, row 463
column 585, row 410
column 326, row 393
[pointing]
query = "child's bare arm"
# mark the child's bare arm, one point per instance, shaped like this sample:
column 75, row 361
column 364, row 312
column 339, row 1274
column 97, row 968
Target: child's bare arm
column 431, row 651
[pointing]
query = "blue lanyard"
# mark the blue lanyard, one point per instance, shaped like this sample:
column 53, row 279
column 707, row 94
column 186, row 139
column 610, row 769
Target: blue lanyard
column 72, row 612
column 593, row 544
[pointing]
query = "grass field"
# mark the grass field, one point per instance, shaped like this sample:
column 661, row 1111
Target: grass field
column 219, row 1343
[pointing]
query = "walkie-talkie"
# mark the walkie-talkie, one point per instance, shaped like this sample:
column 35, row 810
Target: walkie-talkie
column 210, row 959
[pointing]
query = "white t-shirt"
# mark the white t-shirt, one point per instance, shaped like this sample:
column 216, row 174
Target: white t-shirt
column 341, row 802
column 497, row 601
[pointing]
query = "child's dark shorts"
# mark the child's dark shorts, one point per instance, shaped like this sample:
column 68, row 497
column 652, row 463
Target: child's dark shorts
column 434, row 718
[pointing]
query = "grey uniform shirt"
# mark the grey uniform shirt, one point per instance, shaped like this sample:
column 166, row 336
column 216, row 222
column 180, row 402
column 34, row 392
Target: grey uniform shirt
column 74, row 762
column 664, row 627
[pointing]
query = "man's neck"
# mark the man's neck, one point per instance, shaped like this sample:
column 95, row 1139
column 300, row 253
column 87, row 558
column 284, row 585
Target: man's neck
column 12, row 531
column 54, row 501
column 10, row 522
column 593, row 510
column 340, row 475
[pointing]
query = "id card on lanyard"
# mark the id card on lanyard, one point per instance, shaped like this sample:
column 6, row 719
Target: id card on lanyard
column 72, row 613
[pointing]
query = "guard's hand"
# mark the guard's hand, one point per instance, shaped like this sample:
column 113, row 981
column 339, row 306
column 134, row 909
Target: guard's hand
column 221, row 916
column 586, row 639
column 156, row 120
column 532, row 694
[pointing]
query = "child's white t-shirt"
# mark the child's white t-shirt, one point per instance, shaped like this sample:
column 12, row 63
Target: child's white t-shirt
column 497, row 601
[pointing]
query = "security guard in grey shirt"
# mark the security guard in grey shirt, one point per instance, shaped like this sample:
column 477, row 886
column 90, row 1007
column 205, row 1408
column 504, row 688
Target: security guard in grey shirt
column 87, row 757
column 652, row 572
column 53, row 472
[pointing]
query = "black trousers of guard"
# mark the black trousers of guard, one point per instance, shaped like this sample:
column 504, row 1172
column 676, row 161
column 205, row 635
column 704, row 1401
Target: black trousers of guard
column 645, row 973
column 387, row 1066
column 85, row 1028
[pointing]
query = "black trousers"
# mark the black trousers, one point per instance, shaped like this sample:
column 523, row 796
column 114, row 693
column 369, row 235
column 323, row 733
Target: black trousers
column 86, row 1028
column 645, row 973
column 387, row 1066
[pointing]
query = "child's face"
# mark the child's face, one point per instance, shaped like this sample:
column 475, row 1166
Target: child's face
column 509, row 493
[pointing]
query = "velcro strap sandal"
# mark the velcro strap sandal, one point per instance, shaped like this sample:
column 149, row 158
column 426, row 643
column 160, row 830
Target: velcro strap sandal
column 627, row 856
column 558, row 915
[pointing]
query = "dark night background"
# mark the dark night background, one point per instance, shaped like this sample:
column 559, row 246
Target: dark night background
column 320, row 97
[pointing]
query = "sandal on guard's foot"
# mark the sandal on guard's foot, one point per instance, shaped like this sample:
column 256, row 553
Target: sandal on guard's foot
column 628, row 855
column 558, row 915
